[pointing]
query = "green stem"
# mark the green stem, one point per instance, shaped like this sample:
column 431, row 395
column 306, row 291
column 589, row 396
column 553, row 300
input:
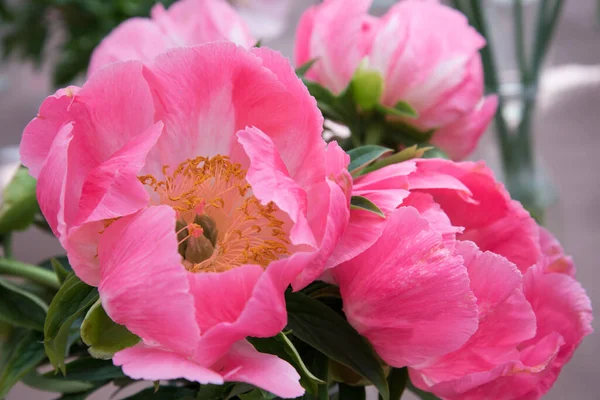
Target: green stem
column 30, row 272
column 520, row 40
column 7, row 245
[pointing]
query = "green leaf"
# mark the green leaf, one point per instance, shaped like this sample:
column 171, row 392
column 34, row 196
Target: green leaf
column 104, row 336
column 27, row 352
column 322, row 328
column 19, row 205
column 59, row 269
column 56, row 384
column 348, row 392
column 217, row 392
column 72, row 300
column 406, row 154
column 423, row 395
column 362, row 203
column 165, row 393
column 397, row 380
column 21, row 308
column 256, row 394
column 362, row 156
column 303, row 69
column 92, row 370
column 401, row 109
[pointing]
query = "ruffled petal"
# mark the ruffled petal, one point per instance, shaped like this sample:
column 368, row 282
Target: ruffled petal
column 143, row 284
column 408, row 294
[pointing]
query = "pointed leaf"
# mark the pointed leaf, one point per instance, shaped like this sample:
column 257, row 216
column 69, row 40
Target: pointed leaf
column 104, row 336
column 72, row 300
column 59, row 269
column 303, row 69
column 362, row 156
column 92, row 370
column 401, row 109
column 397, row 380
column 56, row 384
column 21, row 308
column 327, row 331
column 27, row 352
column 362, row 203
column 406, row 154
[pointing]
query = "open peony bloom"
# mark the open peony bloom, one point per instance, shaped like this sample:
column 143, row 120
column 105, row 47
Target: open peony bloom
column 460, row 283
column 424, row 53
column 192, row 190
column 185, row 23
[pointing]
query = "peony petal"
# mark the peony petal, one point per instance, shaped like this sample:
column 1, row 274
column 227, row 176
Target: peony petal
column 153, row 364
column 143, row 284
column 266, row 371
column 42, row 130
column 112, row 189
column 408, row 294
column 459, row 138
column 270, row 181
column 338, row 41
column 258, row 311
column 135, row 39
column 52, row 179
column 553, row 255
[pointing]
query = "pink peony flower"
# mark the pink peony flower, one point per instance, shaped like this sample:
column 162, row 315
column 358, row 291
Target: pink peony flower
column 425, row 53
column 185, row 23
column 192, row 190
column 456, row 238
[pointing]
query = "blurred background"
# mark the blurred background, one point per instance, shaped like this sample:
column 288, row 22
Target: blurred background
column 566, row 131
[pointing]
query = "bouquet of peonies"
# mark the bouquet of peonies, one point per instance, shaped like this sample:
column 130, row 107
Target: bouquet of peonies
column 219, row 247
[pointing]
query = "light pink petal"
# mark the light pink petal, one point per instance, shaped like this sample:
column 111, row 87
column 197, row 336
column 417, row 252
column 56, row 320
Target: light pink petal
column 459, row 138
column 206, row 94
column 254, row 305
column 336, row 34
column 303, row 158
column 51, row 182
column 112, row 189
column 193, row 22
column 408, row 294
column 42, row 130
column 423, row 50
column 82, row 249
column 135, row 39
column 153, row 364
column 143, row 284
column 244, row 364
column 271, row 181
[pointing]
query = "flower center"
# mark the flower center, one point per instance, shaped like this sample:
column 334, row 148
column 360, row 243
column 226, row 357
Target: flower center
column 220, row 224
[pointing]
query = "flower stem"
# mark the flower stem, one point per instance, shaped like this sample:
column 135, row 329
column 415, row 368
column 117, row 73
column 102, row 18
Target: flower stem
column 30, row 272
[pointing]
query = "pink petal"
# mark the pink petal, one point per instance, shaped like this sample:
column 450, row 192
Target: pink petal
column 153, row 364
column 112, row 189
column 193, row 22
column 257, row 309
column 42, row 130
column 271, row 181
column 460, row 138
column 553, row 255
column 51, row 181
column 506, row 320
column 433, row 213
column 135, row 39
column 143, row 284
column 336, row 34
column 408, row 294
column 81, row 245
column 245, row 364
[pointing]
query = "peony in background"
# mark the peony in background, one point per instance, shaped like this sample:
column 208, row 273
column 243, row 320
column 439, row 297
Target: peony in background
column 563, row 218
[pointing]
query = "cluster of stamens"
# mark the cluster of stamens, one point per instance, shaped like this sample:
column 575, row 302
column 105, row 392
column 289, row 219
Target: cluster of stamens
column 220, row 224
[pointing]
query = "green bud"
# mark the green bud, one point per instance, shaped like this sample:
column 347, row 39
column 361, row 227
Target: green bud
column 209, row 226
column 367, row 87
column 18, row 205
column 198, row 249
